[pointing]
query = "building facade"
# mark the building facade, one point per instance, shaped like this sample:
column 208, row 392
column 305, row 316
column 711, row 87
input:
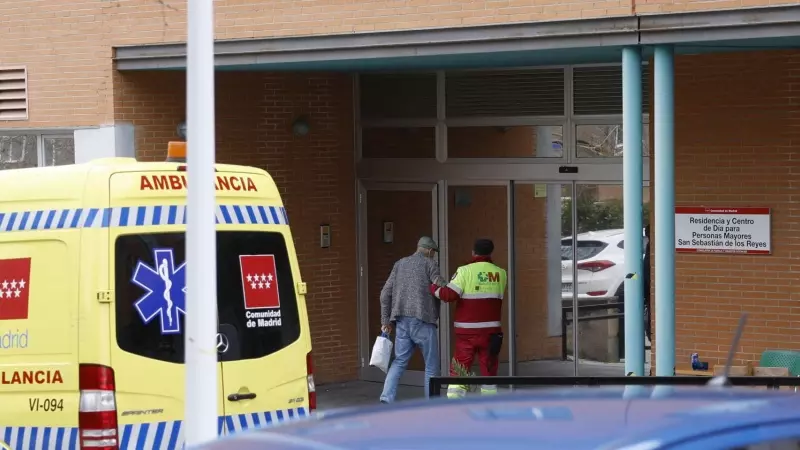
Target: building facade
column 458, row 119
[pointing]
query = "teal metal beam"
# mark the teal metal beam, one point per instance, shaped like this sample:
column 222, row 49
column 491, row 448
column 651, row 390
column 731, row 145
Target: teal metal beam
column 664, row 120
column 632, row 181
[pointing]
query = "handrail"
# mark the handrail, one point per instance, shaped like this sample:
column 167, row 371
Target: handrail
column 564, row 320
column 596, row 306
column 436, row 383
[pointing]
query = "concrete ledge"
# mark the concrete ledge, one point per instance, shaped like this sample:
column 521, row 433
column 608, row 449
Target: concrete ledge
column 711, row 26
column 770, row 22
column 550, row 35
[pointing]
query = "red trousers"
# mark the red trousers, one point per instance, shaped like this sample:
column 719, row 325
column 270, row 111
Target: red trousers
column 467, row 345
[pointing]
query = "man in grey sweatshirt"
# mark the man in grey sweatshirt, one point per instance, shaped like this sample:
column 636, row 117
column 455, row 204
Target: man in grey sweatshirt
column 408, row 306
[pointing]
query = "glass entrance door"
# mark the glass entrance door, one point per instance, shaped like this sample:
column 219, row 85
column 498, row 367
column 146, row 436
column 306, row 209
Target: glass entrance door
column 542, row 292
column 568, row 270
column 393, row 216
column 597, row 272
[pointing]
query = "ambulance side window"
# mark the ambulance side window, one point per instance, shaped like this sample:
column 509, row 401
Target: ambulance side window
column 135, row 254
column 255, row 294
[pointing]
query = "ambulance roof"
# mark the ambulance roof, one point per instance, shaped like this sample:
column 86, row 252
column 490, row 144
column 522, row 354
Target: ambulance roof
column 71, row 182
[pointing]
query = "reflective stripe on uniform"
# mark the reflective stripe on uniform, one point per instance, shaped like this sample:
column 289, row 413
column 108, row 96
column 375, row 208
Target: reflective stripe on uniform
column 489, row 389
column 482, row 296
column 455, row 288
column 477, row 324
column 456, row 391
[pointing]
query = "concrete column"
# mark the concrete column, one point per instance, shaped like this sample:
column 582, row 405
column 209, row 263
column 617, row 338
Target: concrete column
column 665, row 209
column 105, row 142
column 632, row 197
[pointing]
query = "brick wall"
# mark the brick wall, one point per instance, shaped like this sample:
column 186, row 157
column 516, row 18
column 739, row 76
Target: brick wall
column 736, row 135
column 315, row 175
column 669, row 6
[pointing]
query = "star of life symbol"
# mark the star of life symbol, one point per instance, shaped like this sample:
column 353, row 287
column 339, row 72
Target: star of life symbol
column 165, row 287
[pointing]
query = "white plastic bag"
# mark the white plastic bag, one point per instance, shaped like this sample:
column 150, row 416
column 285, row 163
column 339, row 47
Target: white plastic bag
column 381, row 353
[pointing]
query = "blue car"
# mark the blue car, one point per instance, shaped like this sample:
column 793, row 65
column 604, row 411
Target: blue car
column 629, row 418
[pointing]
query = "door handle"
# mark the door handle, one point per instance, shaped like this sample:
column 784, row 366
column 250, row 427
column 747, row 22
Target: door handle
column 237, row 397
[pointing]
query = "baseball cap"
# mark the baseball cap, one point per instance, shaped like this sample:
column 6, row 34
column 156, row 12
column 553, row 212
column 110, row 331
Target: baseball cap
column 427, row 243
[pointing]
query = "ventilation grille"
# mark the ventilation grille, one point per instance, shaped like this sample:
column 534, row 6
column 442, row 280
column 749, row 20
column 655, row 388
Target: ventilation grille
column 398, row 96
column 13, row 93
column 505, row 93
column 598, row 90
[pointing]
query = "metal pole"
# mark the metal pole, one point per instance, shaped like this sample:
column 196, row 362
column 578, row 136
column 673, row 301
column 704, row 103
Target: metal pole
column 201, row 246
column 512, row 299
column 575, row 312
column 632, row 197
column 665, row 209
column 445, row 326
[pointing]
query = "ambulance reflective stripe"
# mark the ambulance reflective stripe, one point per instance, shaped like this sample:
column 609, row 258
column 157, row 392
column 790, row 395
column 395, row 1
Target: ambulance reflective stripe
column 242, row 422
column 132, row 216
column 144, row 436
column 477, row 324
column 160, row 435
column 40, row 438
column 251, row 215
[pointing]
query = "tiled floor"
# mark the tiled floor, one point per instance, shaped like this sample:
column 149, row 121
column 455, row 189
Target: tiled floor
column 359, row 393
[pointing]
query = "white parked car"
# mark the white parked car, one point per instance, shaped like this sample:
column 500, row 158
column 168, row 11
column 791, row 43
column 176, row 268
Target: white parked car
column 601, row 261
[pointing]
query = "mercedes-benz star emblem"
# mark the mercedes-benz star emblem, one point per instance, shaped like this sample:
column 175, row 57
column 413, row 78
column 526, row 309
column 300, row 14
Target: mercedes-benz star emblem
column 222, row 343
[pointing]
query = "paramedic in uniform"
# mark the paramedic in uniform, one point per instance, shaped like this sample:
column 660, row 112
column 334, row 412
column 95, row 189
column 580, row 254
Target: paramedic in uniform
column 477, row 288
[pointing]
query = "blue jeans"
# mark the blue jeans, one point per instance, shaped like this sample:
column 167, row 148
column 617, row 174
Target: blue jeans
column 411, row 333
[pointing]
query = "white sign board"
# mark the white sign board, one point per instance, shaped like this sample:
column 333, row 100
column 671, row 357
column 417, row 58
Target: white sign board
column 723, row 230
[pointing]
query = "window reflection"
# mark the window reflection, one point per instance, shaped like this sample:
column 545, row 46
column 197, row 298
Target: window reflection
column 401, row 142
column 505, row 142
column 605, row 141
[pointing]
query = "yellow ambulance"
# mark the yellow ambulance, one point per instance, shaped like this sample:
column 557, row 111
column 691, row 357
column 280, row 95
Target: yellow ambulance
column 93, row 300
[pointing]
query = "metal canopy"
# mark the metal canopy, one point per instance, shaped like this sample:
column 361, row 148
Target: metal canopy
column 511, row 43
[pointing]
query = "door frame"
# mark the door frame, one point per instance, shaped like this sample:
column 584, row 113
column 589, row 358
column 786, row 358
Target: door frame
column 366, row 341
column 605, row 174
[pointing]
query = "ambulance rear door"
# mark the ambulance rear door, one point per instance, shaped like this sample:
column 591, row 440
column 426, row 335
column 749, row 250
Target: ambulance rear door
column 263, row 325
column 148, row 278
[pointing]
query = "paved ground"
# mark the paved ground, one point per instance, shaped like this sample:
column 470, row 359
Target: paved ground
column 359, row 393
